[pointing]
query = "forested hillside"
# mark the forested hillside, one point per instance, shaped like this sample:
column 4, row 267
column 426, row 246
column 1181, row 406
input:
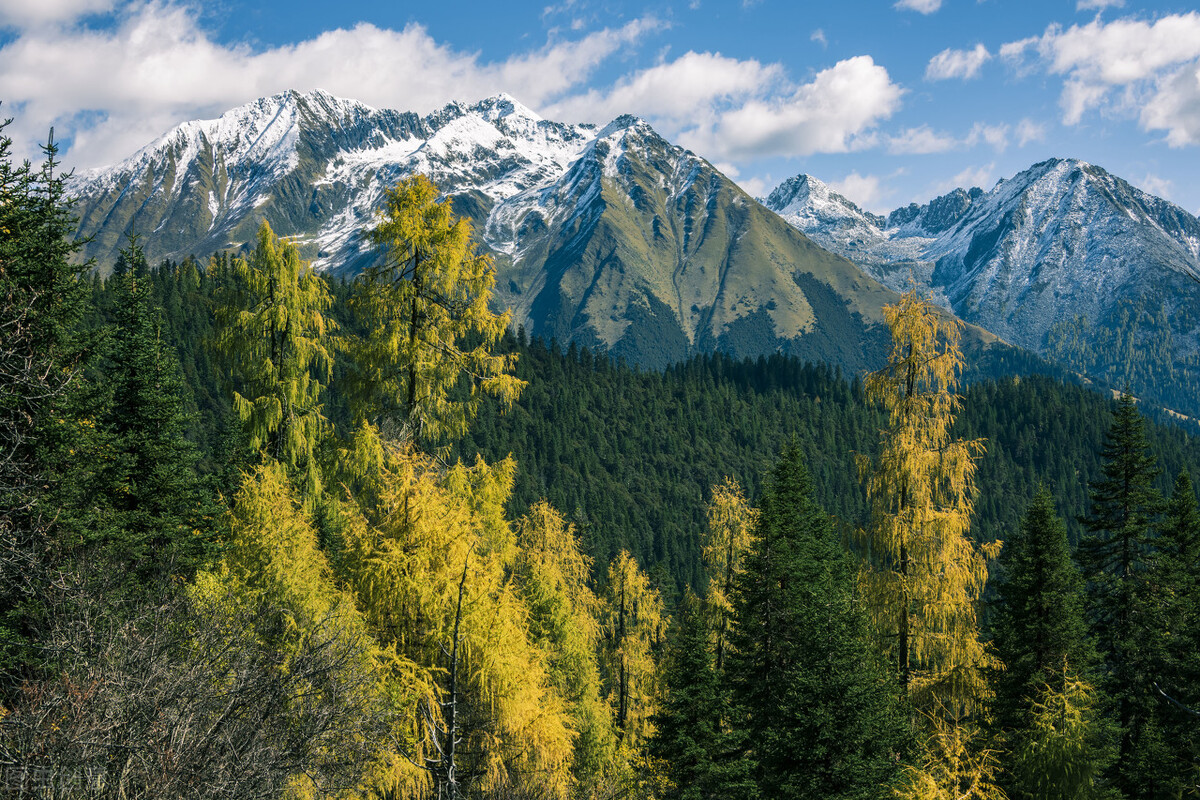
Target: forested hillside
column 630, row 455
column 263, row 535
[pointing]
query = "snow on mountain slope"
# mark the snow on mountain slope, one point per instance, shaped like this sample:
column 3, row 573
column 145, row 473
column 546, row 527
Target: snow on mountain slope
column 1063, row 238
column 612, row 236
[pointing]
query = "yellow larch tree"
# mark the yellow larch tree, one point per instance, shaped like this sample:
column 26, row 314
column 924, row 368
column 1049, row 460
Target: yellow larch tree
column 431, row 566
column 731, row 522
column 633, row 623
column 925, row 574
column 563, row 621
column 428, row 327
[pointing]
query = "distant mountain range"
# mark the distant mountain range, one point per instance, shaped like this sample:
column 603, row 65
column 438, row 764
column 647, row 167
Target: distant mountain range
column 608, row 236
column 1063, row 259
column 615, row 238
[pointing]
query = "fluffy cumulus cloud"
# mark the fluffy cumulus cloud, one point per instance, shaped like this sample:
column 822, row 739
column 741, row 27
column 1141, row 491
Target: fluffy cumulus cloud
column 865, row 191
column 836, row 112
column 110, row 89
column 1145, row 69
column 113, row 89
column 33, row 13
column 957, row 63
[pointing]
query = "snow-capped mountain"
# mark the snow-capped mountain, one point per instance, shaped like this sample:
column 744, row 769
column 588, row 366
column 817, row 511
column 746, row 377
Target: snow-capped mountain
column 1063, row 259
column 609, row 236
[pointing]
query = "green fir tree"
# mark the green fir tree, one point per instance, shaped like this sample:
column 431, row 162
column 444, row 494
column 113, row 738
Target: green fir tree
column 1041, row 636
column 817, row 707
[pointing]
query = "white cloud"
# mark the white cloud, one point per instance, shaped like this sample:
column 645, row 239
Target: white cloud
column 836, row 112
column 924, row 140
column 920, row 141
column 1175, row 107
column 994, row 135
column 818, row 36
column 1128, row 66
column 981, row 176
column 156, row 67
column 1095, row 5
column 865, row 191
column 957, row 63
column 1153, row 184
column 673, row 93
column 35, row 13
column 921, row 6
column 1029, row 131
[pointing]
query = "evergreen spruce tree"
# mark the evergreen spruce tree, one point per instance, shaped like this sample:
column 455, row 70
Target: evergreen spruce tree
column 1172, row 645
column 161, row 512
column 817, row 705
column 1125, row 506
column 1041, row 636
column 42, row 354
column 690, row 746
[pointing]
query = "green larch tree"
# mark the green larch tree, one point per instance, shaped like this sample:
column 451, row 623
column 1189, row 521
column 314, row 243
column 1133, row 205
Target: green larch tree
column 816, row 705
column 428, row 354
column 273, row 333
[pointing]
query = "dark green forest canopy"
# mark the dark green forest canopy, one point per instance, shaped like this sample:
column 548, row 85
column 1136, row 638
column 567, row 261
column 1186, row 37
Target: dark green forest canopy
column 630, row 455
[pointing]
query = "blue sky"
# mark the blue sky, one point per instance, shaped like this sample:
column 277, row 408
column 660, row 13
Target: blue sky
column 890, row 102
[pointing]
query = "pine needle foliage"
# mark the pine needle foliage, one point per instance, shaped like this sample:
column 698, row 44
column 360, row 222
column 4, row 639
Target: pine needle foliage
column 815, row 705
column 925, row 573
column 273, row 334
column 1046, row 708
column 1115, row 554
column 427, row 356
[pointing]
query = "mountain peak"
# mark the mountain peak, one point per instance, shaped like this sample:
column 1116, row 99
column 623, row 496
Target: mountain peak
column 503, row 105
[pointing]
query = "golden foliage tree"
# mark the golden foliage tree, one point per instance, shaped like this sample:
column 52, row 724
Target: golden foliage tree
column 431, row 565
column 731, row 523
column 274, row 573
column 428, row 326
column 273, row 337
column 926, row 574
column 632, row 623
column 563, row 621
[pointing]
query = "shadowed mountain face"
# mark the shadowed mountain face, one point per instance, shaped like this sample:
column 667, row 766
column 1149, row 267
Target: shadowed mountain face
column 611, row 237
column 1063, row 259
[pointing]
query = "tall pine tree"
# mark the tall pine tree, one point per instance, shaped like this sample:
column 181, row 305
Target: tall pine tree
column 817, row 705
column 1041, row 636
column 1125, row 506
column 691, row 746
column 160, row 510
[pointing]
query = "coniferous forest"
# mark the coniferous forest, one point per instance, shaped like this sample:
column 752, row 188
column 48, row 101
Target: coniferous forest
column 269, row 535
